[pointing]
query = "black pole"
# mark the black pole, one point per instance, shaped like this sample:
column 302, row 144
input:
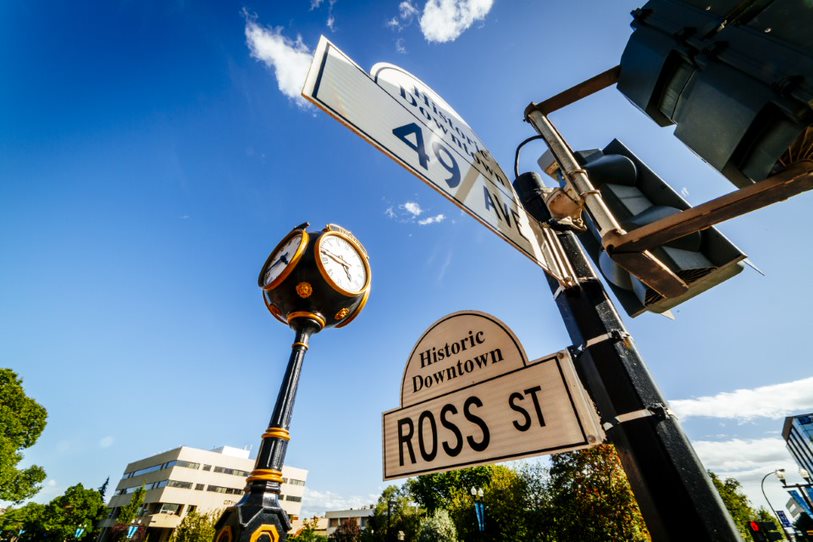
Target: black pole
column 675, row 494
column 258, row 517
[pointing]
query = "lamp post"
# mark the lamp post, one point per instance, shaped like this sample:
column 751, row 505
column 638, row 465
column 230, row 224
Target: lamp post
column 309, row 282
column 479, row 508
column 801, row 487
column 780, row 474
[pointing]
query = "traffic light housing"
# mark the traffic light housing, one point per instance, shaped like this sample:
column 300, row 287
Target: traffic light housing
column 636, row 196
column 735, row 77
column 766, row 531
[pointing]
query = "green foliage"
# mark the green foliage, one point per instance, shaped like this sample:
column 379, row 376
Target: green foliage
column 129, row 511
column 735, row 502
column 58, row 520
column 308, row 532
column 591, row 499
column 196, row 527
column 22, row 420
column 438, row 528
column 26, row 518
column 393, row 512
column 433, row 491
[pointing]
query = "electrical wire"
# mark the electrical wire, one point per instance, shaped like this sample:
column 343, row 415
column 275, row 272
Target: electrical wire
column 516, row 154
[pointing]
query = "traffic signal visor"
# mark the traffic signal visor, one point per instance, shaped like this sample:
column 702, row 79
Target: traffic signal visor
column 636, row 196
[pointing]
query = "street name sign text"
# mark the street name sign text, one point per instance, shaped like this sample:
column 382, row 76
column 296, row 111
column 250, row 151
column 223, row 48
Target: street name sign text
column 470, row 396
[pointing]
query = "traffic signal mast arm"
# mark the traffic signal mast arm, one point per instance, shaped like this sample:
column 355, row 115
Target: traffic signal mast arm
column 643, row 264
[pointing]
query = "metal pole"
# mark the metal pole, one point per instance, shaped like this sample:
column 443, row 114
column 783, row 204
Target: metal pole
column 258, row 517
column 770, row 506
column 676, row 496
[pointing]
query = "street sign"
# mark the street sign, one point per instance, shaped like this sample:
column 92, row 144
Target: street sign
column 486, row 402
column 404, row 118
column 783, row 518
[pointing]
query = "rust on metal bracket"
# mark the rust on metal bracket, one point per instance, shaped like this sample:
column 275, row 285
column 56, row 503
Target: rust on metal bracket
column 576, row 93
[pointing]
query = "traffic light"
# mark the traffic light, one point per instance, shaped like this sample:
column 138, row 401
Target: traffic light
column 756, row 532
column 734, row 76
column 636, row 196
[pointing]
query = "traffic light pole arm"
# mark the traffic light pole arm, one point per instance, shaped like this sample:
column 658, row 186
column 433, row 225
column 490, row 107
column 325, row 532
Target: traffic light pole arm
column 642, row 264
column 790, row 182
column 577, row 92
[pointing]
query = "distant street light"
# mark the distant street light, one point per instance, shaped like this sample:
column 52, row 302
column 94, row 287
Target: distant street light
column 309, row 282
column 779, row 473
column 479, row 508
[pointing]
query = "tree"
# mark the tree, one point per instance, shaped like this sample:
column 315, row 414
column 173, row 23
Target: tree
column 393, row 512
column 348, row 531
column 58, row 520
column 196, row 527
column 308, row 532
column 504, row 504
column 103, row 488
column 129, row 511
column 438, row 528
column 591, row 499
column 22, row 420
column 77, row 507
column 434, row 491
column 735, row 502
column 26, row 518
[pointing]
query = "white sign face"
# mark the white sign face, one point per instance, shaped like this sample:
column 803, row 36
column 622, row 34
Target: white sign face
column 470, row 396
column 459, row 350
column 409, row 122
column 537, row 409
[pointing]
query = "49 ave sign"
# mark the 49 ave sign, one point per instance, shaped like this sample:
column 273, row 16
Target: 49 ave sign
column 413, row 125
column 469, row 395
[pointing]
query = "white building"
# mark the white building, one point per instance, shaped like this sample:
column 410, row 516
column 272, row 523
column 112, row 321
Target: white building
column 360, row 517
column 185, row 479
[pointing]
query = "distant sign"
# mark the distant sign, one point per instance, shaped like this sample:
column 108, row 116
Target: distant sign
column 783, row 518
column 414, row 126
column 469, row 396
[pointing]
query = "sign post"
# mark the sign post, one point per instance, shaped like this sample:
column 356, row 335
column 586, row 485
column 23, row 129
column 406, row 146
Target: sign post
column 470, row 396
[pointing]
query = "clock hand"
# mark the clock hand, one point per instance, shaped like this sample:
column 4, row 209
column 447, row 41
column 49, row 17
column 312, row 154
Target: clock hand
column 282, row 258
column 337, row 259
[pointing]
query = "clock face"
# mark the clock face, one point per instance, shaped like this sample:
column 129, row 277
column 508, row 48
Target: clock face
column 342, row 264
column 282, row 259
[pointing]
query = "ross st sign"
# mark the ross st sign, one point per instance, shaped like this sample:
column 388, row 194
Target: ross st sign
column 470, row 396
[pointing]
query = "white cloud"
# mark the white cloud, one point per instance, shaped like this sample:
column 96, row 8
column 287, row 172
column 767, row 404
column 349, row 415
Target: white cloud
column 748, row 461
column 316, row 502
column 446, row 20
column 106, row 442
column 400, row 47
column 409, row 213
column 331, row 22
column 315, row 4
column 432, row 219
column 774, row 401
column 412, row 208
column 290, row 59
column 407, row 10
column 406, row 14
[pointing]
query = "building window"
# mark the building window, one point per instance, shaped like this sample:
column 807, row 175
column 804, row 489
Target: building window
column 199, row 487
column 295, row 482
column 235, row 472
column 334, row 522
column 167, row 508
column 227, row 490
column 182, row 485
column 293, row 498
column 207, row 467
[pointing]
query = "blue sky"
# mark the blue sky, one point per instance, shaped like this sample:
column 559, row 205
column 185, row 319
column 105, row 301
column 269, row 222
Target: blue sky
column 152, row 154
